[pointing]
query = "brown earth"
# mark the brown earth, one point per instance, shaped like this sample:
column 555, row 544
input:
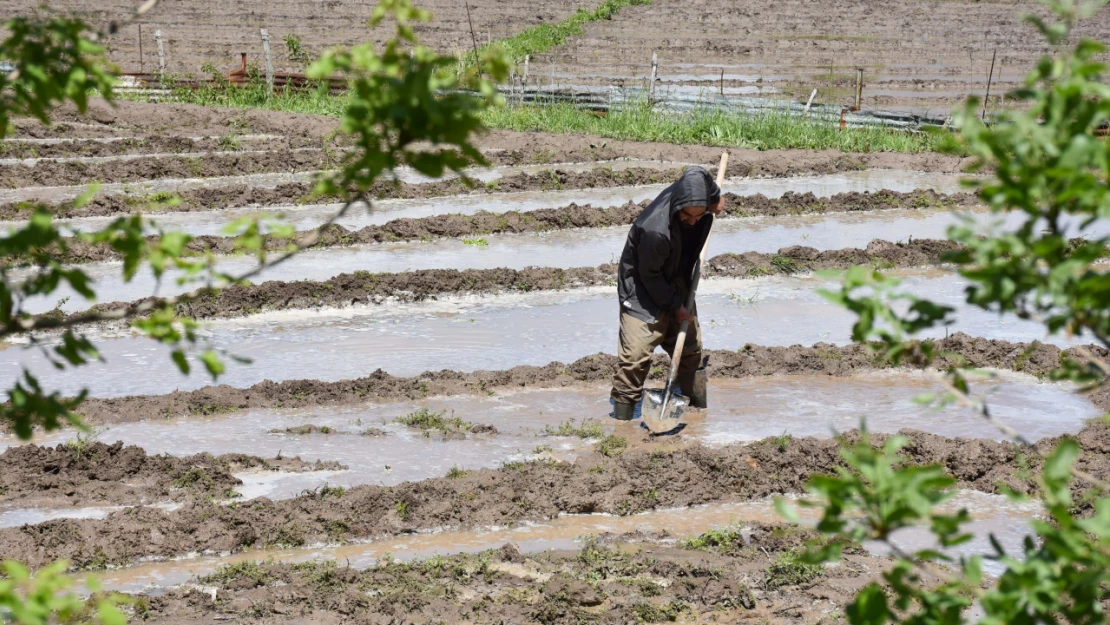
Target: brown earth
column 98, row 474
column 613, row 579
column 239, row 195
column 750, row 361
column 633, row 481
column 915, row 55
column 149, row 144
column 55, row 173
column 207, row 31
column 365, row 288
column 565, row 217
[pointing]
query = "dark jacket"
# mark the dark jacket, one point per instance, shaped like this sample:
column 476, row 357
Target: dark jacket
column 653, row 278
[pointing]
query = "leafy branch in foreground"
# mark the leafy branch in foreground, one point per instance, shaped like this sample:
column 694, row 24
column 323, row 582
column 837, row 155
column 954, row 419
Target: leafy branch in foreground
column 1048, row 163
column 396, row 106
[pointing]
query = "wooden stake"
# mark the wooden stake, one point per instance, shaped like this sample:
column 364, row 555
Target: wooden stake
column 654, row 72
column 140, row 48
column 722, row 82
column 269, row 61
column 989, row 78
column 812, row 95
column 161, row 52
column 524, row 77
column 859, row 88
column 473, row 39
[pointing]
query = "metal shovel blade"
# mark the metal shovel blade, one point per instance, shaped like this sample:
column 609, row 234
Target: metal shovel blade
column 652, row 411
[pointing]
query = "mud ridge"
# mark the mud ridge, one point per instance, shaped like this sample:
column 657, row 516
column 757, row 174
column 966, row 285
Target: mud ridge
column 562, row 218
column 84, row 473
column 242, row 195
column 614, row 579
column 150, row 144
column 364, row 288
column 55, row 173
column 750, row 361
column 635, row 481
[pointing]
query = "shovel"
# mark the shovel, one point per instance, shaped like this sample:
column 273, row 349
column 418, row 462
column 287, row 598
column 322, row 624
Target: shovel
column 662, row 410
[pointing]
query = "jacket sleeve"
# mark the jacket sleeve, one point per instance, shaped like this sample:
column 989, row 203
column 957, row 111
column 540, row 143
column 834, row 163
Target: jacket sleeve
column 652, row 253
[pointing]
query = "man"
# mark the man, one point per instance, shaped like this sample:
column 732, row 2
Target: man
column 653, row 282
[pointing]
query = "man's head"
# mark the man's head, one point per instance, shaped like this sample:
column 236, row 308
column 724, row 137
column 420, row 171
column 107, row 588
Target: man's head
column 693, row 195
column 690, row 215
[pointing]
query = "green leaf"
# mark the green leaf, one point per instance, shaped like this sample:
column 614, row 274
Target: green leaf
column 212, row 363
column 869, row 608
column 786, row 511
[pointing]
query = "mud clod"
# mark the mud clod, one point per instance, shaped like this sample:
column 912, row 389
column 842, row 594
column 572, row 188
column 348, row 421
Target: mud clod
column 97, row 473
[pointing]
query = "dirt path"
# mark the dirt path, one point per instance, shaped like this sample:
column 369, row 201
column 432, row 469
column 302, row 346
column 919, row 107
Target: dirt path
column 93, row 473
column 660, row 476
column 612, row 579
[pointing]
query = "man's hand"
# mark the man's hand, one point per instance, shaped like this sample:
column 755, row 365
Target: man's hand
column 718, row 207
column 683, row 315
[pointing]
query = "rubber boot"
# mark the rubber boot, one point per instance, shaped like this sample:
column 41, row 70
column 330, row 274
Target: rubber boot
column 699, row 393
column 623, row 412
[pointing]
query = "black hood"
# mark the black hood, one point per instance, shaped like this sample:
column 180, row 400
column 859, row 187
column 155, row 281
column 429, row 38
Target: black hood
column 696, row 187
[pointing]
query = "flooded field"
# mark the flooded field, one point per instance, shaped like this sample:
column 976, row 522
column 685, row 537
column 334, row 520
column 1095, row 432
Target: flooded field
column 495, row 333
column 379, row 432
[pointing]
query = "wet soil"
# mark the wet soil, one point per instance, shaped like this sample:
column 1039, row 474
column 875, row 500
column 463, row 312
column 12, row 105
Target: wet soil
column 613, row 578
column 565, row 217
column 96, row 473
column 126, row 119
column 366, row 288
column 150, row 144
column 48, row 173
column 751, row 360
column 660, row 474
column 242, row 195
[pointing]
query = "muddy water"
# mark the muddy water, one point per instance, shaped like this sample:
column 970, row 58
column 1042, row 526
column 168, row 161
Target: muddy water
column 310, row 215
column 991, row 514
column 491, row 332
column 59, row 194
column 560, row 248
column 742, row 410
column 579, row 247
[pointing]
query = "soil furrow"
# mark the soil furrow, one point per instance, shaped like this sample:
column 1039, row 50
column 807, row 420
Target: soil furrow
column 150, row 144
column 632, row 481
column 242, row 195
column 365, row 288
column 614, row 579
column 562, row 218
column 93, row 473
column 750, row 361
column 54, row 173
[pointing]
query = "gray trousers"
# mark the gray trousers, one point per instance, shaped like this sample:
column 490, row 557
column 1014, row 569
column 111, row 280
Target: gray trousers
column 638, row 339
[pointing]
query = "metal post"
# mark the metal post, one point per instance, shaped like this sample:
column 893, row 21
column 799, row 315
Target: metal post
column 722, row 82
column 859, row 88
column 473, row 39
column 140, row 48
column 989, row 78
column 269, row 62
column 654, row 72
column 161, row 52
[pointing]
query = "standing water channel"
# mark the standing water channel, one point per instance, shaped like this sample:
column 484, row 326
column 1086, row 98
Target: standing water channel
column 494, row 332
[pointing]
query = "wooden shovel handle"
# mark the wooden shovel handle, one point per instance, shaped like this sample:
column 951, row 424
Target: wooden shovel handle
column 680, row 341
